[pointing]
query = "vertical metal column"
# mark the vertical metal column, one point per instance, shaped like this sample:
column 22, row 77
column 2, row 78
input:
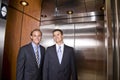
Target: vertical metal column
column 0, row 54
column 109, row 40
column 113, row 21
column 117, row 31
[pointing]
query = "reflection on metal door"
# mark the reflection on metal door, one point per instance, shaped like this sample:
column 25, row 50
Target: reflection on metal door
column 88, row 42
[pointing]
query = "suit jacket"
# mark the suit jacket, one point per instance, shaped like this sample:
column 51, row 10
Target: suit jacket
column 53, row 70
column 27, row 68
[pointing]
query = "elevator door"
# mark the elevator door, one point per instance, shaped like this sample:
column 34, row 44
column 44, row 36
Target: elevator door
column 90, row 51
column 88, row 42
column 47, row 38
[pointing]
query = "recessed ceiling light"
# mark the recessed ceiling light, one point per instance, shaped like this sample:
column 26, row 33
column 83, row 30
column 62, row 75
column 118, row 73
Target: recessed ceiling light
column 24, row 3
column 102, row 8
column 70, row 12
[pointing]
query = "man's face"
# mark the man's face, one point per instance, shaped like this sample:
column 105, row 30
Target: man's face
column 58, row 37
column 36, row 37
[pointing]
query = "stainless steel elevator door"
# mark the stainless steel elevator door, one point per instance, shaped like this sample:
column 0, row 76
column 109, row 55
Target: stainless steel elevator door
column 90, row 51
column 88, row 42
column 47, row 38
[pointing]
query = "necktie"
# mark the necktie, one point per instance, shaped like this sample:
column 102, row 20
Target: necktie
column 59, row 52
column 37, row 56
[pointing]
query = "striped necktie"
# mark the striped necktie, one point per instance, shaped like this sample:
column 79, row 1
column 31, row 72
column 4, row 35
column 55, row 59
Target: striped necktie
column 37, row 56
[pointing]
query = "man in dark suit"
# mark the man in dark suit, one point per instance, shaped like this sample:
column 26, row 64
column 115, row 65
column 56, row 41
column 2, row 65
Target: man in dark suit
column 30, row 58
column 59, row 63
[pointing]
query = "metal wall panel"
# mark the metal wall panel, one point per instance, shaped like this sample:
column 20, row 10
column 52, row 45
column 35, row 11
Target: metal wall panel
column 2, row 36
column 88, row 41
column 3, row 11
column 115, row 34
column 90, row 51
column 68, row 30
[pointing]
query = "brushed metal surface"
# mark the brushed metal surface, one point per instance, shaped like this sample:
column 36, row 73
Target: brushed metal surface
column 88, row 41
column 2, row 38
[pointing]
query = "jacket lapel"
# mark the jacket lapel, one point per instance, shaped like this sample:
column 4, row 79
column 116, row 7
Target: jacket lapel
column 64, row 55
column 31, row 50
column 55, row 55
column 41, row 53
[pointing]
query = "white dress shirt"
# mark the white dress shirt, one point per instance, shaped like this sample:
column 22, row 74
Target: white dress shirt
column 60, row 54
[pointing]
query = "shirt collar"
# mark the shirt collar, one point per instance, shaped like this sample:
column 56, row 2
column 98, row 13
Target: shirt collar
column 57, row 46
column 34, row 45
column 60, row 45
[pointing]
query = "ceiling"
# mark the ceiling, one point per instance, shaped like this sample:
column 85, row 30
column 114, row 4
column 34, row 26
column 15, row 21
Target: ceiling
column 57, row 9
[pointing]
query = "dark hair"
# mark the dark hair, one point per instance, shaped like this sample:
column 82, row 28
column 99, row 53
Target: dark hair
column 58, row 30
column 35, row 30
